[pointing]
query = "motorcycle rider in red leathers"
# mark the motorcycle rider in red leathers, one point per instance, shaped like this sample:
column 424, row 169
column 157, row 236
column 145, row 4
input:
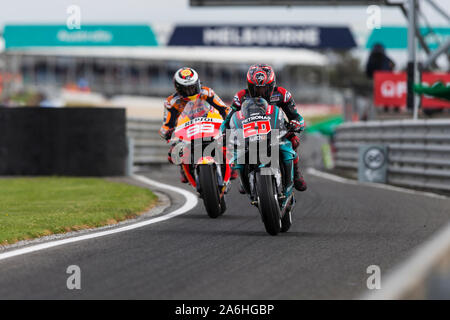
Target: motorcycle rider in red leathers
column 188, row 87
column 262, row 83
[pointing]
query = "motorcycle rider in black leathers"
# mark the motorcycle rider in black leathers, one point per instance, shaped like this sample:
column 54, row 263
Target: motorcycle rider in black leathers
column 261, row 83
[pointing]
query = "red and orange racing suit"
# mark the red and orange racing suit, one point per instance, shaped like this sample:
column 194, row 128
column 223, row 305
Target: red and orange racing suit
column 174, row 105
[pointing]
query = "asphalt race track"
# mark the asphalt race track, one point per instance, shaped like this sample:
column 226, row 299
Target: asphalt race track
column 338, row 231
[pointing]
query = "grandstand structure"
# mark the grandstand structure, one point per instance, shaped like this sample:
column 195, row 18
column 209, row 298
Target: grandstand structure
column 149, row 71
column 140, row 60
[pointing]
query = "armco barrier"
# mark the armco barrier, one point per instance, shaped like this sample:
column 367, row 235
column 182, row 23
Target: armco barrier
column 62, row 141
column 419, row 150
column 149, row 148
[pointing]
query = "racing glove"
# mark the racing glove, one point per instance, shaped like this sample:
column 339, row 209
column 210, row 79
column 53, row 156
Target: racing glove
column 166, row 133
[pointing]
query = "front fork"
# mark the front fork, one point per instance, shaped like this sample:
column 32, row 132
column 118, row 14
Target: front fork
column 247, row 177
column 222, row 181
column 284, row 181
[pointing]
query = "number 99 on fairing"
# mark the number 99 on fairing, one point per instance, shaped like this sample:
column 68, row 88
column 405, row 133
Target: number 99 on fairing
column 200, row 128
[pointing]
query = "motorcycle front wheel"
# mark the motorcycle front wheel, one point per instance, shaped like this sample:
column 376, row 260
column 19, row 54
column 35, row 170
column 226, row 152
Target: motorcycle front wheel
column 268, row 203
column 210, row 190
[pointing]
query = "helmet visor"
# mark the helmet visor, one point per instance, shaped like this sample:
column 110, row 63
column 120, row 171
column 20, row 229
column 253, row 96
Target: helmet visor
column 262, row 91
column 191, row 90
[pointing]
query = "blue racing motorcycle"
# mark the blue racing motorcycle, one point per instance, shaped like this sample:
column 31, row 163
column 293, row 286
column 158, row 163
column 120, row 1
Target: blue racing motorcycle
column 264, row 159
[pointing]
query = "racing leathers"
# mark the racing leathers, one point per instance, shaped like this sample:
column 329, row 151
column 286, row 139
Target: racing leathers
column 283, row 99
column 174, row 106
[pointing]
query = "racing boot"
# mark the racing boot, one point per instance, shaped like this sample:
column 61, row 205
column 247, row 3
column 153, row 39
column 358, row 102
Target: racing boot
column 299, row 181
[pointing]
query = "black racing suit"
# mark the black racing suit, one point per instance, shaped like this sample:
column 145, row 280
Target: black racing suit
column 284, row 100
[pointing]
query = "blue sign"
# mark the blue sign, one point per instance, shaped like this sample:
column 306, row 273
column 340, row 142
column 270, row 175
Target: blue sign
column 312, row 37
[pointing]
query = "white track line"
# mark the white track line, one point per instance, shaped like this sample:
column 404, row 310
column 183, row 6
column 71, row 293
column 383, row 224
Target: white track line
column 336, row 178
column 191, row 202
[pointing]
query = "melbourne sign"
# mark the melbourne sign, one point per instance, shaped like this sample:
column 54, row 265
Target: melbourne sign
column 263, row 36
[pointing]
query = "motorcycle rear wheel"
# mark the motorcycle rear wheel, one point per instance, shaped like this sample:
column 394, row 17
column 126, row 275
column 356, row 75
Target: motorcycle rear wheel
column 223, row 204
column 286, row 221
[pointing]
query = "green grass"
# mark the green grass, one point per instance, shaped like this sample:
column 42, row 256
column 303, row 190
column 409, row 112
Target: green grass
column 325, row 125
column 35, row 207
column 320, row 119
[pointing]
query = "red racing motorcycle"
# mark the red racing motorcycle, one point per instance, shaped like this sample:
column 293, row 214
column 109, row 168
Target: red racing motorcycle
column 202, row 159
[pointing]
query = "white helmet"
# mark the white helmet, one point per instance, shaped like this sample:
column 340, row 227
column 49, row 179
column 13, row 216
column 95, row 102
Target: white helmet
column 186, row 82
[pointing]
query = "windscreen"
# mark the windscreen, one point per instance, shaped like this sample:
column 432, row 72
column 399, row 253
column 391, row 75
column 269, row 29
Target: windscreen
column 196, row 109
column 254, row 106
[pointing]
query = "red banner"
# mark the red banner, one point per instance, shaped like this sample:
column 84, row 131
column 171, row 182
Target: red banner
column 390, row 89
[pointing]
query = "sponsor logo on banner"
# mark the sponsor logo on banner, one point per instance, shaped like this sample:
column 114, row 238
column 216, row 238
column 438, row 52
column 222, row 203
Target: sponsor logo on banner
column 47, row 35
column 390, row 89
column 263, row 36
column 84, row 36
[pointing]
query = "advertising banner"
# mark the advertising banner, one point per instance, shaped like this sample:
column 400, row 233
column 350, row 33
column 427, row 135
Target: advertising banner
column 23, row 36
column 390, row 89
column 395, row 37
column 313, row 37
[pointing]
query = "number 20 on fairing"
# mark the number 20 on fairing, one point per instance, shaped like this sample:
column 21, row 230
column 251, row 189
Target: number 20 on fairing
column 256, row 127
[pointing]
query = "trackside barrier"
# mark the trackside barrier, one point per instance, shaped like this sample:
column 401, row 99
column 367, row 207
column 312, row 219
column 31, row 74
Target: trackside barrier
column 81, row 141
column 148, row 146
column 418, row 150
